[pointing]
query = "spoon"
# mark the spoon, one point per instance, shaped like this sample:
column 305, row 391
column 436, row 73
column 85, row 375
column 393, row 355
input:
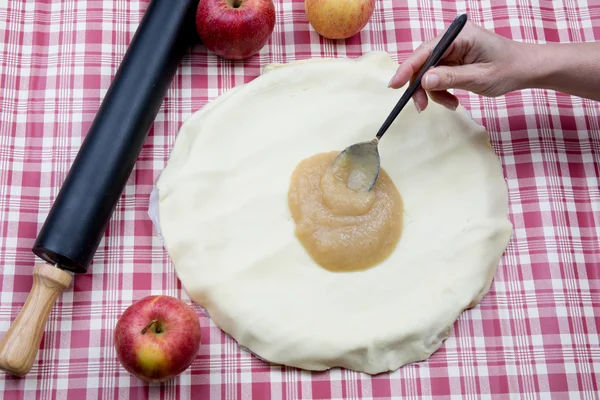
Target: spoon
column 362, row 159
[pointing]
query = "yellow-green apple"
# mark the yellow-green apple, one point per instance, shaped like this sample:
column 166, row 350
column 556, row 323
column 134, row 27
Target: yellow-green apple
column 157, row 338
column 235, row 29
column 338, row 19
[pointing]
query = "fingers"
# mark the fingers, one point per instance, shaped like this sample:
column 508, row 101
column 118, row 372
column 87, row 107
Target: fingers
column 409, row 69
column 436, row 82
column 411, row 66
column 468, row 77
column 445, row 98
column 420, row 99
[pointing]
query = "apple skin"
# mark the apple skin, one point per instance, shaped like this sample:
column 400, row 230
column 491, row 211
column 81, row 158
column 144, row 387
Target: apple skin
column 338, row 19
column 232, row 32
column 167, row 348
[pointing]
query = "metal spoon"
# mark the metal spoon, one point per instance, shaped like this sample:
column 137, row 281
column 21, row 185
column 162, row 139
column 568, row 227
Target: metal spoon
column 362, row 159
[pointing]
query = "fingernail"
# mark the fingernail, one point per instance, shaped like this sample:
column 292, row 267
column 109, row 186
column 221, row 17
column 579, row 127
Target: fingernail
column 431, row 81
column 417, row 107
column 391, row 80
column 451, row 106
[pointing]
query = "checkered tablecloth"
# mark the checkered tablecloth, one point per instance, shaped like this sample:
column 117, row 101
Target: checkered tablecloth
column 534, row 336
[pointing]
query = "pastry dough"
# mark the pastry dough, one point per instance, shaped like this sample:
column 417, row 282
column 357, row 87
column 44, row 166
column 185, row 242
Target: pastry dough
column 225, row 220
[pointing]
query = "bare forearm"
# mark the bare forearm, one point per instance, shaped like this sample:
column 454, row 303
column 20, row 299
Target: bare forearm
column 572, row 68
column 491, row 65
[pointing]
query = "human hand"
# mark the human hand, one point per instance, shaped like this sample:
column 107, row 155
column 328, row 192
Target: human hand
column 478, row 60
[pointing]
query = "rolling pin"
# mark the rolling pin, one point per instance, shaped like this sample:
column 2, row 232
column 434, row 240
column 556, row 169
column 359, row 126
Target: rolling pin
column 84, row 205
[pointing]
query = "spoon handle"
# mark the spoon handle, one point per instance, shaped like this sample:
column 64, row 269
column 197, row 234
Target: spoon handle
column 437, row 53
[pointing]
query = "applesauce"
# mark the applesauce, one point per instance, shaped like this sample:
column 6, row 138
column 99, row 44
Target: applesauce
column 342, row 229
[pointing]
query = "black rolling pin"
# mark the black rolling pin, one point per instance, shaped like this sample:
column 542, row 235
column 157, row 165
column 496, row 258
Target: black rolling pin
column 80, row 214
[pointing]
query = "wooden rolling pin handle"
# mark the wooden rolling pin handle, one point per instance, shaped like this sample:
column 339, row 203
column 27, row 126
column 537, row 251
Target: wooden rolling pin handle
column 19, row 346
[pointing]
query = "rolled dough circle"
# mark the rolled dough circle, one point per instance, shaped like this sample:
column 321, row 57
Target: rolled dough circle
column 225, row 221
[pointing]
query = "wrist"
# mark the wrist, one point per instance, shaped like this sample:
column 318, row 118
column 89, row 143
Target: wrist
column 531, row 67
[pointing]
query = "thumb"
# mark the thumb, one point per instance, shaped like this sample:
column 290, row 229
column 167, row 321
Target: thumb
column 467, row 77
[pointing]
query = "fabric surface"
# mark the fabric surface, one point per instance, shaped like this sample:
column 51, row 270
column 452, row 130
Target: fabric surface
column 534, row 336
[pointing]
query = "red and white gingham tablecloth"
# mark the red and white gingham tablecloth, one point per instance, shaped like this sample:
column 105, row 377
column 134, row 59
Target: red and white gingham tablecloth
column 534, row 336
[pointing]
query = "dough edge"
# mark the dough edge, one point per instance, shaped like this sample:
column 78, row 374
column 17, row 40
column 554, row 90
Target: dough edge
column 395, row 351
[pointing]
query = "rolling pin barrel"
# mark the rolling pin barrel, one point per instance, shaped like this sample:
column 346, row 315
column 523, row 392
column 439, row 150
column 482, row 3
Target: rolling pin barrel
column 78, row 219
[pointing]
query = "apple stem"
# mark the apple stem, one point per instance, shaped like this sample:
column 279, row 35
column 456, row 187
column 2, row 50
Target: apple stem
column 148, row 326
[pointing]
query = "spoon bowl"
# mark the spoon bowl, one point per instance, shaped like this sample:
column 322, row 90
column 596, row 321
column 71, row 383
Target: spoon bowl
column 359, row 165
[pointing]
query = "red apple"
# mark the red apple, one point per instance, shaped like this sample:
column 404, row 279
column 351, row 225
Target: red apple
column 235, row 29
column 157, row 338
column 338, row 19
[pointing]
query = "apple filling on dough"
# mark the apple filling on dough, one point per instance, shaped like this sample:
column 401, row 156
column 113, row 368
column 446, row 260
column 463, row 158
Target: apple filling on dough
column 342, row 229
